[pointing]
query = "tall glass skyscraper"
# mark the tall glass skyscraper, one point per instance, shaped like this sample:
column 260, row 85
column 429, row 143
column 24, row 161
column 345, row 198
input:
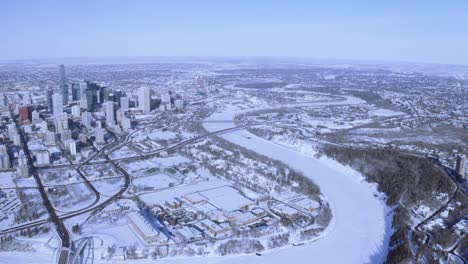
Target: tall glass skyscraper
column 63, row 85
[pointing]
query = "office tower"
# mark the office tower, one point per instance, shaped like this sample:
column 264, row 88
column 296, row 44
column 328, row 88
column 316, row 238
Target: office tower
column 3, row 100
column 24, row 113
column 83, row 88
column 92, row 96
column 124, row 103
column 75, row 88
column 110, row 97
column 63, row 84
column 4, row 162
column 57, row 104
column 70, row 145
column 460, row 167
column 166, row 98
column 99, row 134
column 86, row 119
column 4, row 158
column 23, row 168
column 179, row 104
column 144, row 99
column 61, row 122
column 125, row 123
column 22, row 159
column 103, row 94
column 49, row 102
column 109, row 110
column 117, row 95
column 76, row 111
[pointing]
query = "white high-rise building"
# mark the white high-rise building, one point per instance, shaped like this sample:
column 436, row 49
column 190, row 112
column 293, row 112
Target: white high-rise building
column 3, row 100
column 22, row 159
column 144, row 99
column 76, row 111
column 99, row 134
column 61, row 122
column 86, row 119
column 70, row 145
column 57, row 104
column 109, row 110
column 124, row 103
column 126, row 123
column 4, row 158
column 83, row 100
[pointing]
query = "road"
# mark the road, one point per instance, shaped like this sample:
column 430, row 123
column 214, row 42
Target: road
column 59, row 225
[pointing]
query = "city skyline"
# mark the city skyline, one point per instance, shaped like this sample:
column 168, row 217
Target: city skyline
column 362, row 30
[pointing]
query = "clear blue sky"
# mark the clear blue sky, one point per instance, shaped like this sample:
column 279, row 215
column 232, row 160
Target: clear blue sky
column 410, row 30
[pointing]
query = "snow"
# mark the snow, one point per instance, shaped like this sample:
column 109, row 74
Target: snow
column 226, row 198
column 360, row 229
column 157, row 181
column 166, row 195
column 385, row 112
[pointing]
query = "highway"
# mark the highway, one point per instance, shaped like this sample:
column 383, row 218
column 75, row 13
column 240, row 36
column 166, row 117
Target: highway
column 59, row 226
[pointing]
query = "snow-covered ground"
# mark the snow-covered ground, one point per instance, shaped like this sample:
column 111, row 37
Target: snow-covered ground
column 360, row 229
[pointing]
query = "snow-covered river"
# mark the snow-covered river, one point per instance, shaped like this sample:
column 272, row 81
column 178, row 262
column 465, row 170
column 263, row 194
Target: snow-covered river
column 360, row 228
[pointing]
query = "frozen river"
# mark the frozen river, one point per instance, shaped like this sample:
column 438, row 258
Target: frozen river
column 360, row 228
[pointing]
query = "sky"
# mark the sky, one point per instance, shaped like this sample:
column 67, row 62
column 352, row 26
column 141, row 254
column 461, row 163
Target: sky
column 377, row 30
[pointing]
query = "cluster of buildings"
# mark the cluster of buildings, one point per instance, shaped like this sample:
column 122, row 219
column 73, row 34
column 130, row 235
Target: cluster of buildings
column 11, row 153
column 212, row 214
column 78, row 114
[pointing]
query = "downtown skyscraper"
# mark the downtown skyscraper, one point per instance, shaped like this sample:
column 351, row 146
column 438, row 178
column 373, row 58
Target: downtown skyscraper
column 144, row 99
column 63, row 85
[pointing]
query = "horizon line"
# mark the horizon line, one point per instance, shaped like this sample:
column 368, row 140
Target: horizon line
column 238, row 57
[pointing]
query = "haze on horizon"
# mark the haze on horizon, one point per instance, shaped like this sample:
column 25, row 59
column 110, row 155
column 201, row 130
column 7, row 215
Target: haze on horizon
column 416, row 31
